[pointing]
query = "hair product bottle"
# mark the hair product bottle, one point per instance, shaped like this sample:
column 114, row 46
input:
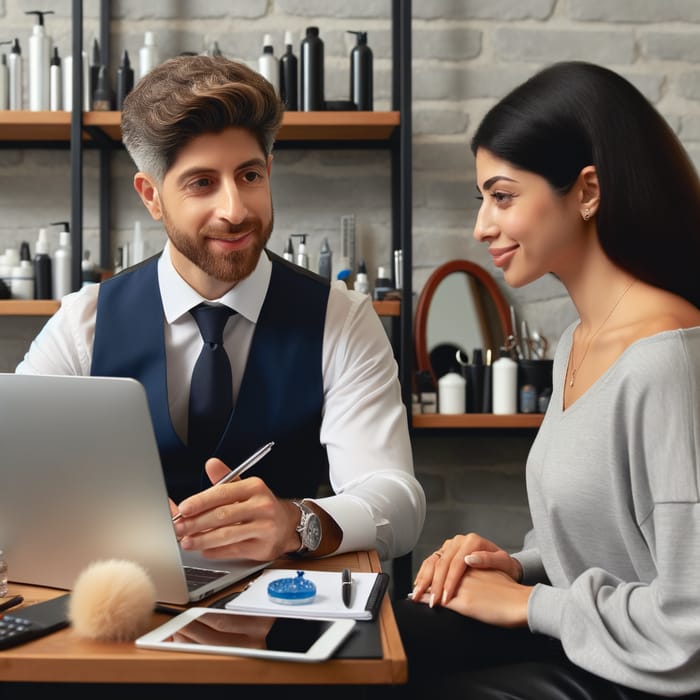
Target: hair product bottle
column 23, row 280
column 55, row 82
column 268, row 65
column 39, row 60
column 42, row 267
column 361, row 279
column 94, row 66
column 452, row 393
column 325, row 260
column 289, row 74
column 68, row 83
column 302, row 258
column 62, row 262
column 148, row 54
column 14, row 68
column 475, row 382
column 102, row 97
column 361, row 69
column 504, row 382
column 311, row 73
column 288, row 253
column 4, row 82
column 125, row 79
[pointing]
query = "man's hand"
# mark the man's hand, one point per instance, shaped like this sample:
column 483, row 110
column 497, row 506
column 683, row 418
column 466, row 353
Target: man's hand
column 239, row 519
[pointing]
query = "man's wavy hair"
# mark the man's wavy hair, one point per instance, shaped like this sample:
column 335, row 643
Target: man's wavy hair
column 187, row 96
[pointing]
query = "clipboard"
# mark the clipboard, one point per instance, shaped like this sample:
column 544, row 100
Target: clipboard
column 368, row 590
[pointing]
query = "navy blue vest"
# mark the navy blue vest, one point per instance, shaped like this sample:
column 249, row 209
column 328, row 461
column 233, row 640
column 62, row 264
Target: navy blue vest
column 281, row 393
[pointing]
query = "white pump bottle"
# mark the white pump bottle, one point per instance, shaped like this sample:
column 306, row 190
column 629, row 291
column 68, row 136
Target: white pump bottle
column 39, row 63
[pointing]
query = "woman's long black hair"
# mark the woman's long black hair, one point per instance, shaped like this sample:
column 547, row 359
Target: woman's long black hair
column 573, row 114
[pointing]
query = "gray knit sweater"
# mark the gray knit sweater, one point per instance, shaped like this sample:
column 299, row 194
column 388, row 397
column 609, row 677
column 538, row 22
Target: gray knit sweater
column 614, row 497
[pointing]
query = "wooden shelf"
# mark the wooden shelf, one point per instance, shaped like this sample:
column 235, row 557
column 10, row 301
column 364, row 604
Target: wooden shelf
column 477, row 420
column 23, row 125
column 387, row 308
column 29, row 307
column 46, row 307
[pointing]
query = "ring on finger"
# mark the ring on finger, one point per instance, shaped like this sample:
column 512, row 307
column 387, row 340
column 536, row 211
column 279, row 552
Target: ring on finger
column 438, row 553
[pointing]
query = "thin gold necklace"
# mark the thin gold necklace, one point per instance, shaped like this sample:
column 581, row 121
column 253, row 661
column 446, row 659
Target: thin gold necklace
column 575, row 369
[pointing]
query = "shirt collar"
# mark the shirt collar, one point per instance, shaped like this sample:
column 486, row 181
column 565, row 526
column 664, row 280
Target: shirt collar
column 178, row 297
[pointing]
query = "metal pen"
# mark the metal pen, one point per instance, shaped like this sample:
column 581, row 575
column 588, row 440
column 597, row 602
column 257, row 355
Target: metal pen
column 347, row 587
column 240, row 469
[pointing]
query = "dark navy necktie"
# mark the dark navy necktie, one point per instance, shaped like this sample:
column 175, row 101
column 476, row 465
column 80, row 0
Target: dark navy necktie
column 211, row 395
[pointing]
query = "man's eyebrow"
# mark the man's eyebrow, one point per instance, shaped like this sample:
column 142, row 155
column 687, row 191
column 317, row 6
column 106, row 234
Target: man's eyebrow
column 493, row 180
column 200, row 170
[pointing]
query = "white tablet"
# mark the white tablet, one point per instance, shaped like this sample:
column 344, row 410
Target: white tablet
column 221, row 631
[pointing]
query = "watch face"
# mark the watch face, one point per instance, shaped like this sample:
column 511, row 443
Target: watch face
column 312, row 532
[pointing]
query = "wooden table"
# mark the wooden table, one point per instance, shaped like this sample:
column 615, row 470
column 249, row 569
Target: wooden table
column 65, row 657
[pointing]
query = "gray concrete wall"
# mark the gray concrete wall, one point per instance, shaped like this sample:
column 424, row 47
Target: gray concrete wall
column 466, row 54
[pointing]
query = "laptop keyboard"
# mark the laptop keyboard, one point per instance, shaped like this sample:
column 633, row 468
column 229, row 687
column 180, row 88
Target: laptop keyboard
column 197, row 577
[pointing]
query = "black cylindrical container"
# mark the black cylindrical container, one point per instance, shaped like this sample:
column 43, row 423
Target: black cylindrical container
column 475, row 382
column 42, row 276
column 289, row 76
column 311, row 84
column 361, row 86
column 125, row 80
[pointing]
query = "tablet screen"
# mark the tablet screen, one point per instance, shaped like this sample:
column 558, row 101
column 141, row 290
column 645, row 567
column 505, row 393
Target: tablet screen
column 251, row 632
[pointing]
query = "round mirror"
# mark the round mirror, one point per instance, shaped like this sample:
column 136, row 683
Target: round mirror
column 459, row 309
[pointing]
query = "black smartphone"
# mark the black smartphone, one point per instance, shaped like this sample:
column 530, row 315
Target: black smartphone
column 33, row 621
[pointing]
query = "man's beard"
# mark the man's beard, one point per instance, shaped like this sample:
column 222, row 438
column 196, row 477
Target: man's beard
column 226, row 267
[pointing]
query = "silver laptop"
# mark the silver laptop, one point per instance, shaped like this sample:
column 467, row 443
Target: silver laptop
column 81, row 481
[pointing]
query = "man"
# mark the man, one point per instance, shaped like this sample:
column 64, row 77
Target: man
column 311, row 367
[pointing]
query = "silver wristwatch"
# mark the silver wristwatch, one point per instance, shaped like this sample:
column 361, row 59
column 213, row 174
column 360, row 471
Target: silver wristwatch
column 309, row 529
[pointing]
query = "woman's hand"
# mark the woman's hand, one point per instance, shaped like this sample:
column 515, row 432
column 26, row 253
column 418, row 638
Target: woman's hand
column 490, row 596
column 441, row 573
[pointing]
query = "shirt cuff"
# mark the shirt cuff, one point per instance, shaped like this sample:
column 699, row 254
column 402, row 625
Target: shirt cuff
column 533, row 570
column 359, row 530
column 544, row 610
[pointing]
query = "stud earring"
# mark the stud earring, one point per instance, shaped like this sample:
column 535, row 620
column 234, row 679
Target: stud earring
column 586, row 214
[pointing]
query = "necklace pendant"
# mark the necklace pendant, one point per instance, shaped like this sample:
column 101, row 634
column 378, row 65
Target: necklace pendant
column 573, row 376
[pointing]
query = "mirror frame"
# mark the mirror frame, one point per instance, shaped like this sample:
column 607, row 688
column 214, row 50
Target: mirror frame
column 420, row 340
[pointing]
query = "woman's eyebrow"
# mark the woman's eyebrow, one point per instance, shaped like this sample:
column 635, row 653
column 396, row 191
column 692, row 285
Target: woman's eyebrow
column 493, row 180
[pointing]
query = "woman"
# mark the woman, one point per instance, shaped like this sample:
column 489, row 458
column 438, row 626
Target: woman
column 582, row 178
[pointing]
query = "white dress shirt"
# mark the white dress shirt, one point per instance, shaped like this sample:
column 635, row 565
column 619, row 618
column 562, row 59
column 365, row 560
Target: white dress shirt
column 377, row 501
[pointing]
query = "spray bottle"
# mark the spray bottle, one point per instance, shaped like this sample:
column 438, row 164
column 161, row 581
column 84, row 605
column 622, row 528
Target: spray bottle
column 39, row 60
